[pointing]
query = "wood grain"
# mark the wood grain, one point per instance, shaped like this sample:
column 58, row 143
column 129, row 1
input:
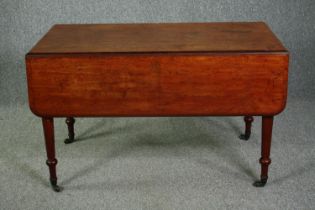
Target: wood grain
column 158, row 85
column 159, row 37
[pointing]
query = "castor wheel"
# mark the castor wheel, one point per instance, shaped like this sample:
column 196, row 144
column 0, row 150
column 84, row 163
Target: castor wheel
column 68, row 141
column 244, row 137
column 260, row 183
column 55, row 187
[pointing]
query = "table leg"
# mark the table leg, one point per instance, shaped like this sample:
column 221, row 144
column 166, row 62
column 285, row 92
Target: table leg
column 265, row 160
column 248, row 125
column 70, row 123
column 48, row 125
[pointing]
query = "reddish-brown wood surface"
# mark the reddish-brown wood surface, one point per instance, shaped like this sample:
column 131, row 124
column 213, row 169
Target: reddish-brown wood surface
column 158, row 85
column 178, row 69
column 159, row 37
column 168, row 69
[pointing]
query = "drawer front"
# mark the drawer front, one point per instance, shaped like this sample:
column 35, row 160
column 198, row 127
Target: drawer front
column 157, row 84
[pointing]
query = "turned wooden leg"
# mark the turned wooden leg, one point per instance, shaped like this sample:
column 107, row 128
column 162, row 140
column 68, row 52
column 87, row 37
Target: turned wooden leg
column 48, row 125
column 265, row 160
column 248, row 125
column 70, row 123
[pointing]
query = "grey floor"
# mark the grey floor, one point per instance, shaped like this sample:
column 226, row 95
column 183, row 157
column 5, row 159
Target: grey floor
column 158, row 163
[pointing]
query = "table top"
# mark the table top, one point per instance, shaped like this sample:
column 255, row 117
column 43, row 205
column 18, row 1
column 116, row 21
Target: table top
column 227, row 37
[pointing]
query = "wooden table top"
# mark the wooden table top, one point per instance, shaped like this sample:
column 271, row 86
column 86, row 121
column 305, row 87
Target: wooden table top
column 159, row 38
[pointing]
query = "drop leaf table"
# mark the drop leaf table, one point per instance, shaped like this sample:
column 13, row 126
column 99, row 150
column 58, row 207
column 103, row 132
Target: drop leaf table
column 158, row 69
